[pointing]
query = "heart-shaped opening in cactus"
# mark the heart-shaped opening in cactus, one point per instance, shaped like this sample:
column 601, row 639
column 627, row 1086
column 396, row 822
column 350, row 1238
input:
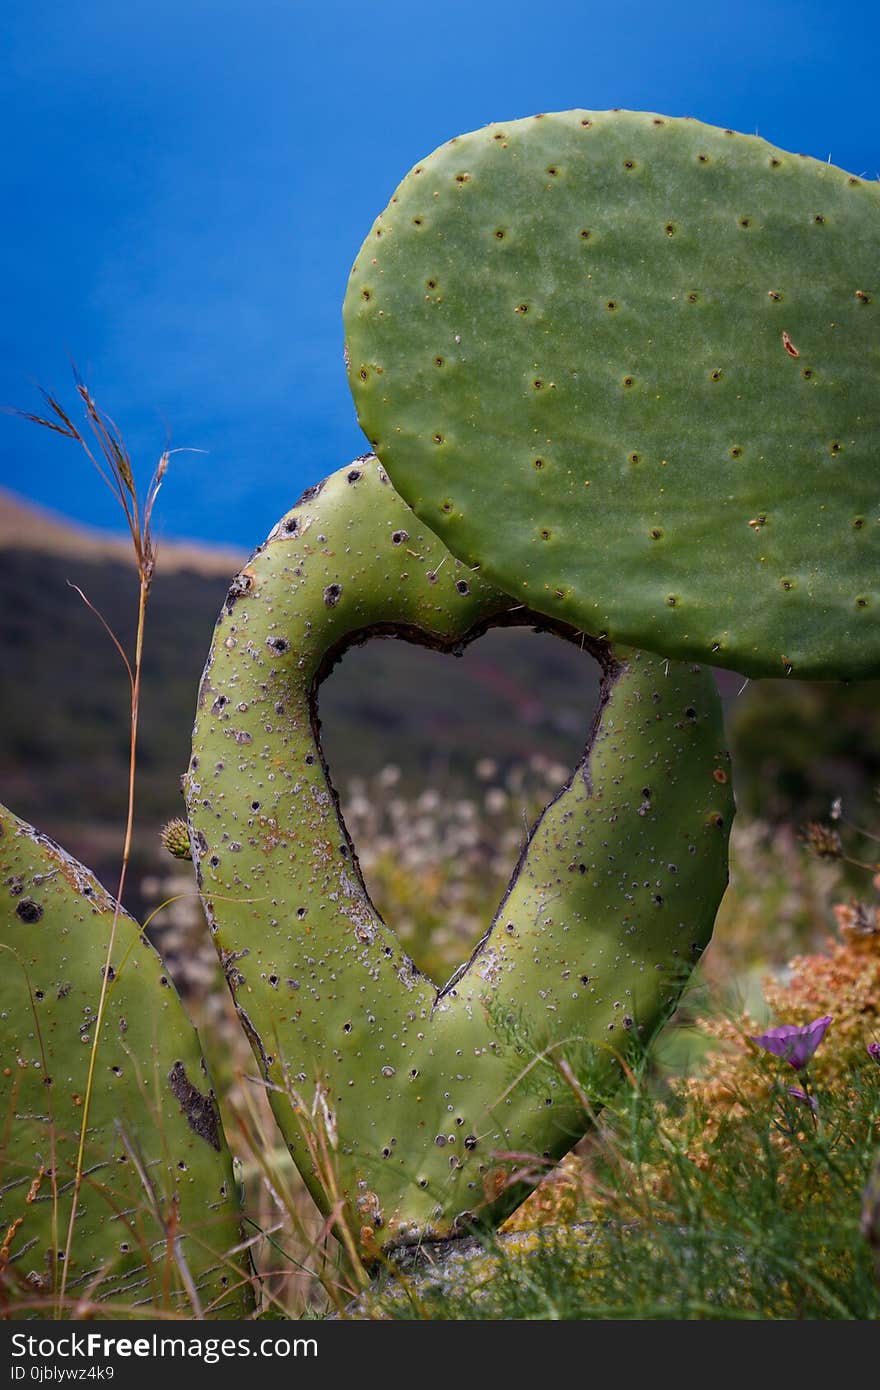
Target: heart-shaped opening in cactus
column 442, row 768
column 397, row 1096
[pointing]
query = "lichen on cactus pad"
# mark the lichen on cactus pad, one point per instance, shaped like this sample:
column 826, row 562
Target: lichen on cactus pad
column 629, row 365
column 399, row 1096
column 157, row 1217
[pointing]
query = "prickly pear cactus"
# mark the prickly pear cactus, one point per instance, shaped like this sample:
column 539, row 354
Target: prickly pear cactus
column 629, row 365
column 399, row 1096
column 157, row 1215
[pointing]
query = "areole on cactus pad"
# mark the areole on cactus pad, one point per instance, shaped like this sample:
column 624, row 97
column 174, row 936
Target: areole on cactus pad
column 629, row 365
column 399, row 1098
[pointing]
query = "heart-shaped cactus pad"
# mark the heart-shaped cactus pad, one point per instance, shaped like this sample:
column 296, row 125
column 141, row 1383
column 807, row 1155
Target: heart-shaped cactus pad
column 399, row 1096
column 628, row 364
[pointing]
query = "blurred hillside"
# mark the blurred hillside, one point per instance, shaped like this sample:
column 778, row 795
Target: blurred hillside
column 64, row 700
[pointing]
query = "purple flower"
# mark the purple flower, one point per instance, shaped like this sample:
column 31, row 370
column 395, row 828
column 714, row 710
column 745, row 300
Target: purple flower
column 874, row 1051
column 802, row 1095
column 793, row 1044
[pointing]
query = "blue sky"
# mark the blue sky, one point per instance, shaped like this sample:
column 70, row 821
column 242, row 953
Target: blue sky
column 187, row 183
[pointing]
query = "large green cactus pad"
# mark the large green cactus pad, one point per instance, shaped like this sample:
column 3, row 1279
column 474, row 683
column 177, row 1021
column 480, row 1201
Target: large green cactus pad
column 396, row 1096
column 629, row 365
column 157, row 1213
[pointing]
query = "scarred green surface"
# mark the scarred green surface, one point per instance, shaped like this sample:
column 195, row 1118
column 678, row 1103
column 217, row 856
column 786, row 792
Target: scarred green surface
column 157, row 1210
column 414, row 1091
column 629, row 364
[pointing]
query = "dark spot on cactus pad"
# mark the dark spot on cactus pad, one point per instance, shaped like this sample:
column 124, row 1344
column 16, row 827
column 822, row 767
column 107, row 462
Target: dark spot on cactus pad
column 789, row 345
column 692, row 297
column 735, row 451
column 720, row 775
column 309, row 759
column 671, row 600
column 28, row 910
column 310, row 493
column 629, row 164
column 438, row 361
column 656, row 533
column 835, row 447
column 278, row 644
column 301, row 912
column 240, row 585
column 715, row 820
column 585, row 233
column 612, row 304
column 462, row 178
column 437, row 438
column 537, row 463
column 690, row 712
column 786, row 583
column 670, row 229
column 774, row 295
column 332, row 594
column 353, row 475
column 628, row 381
column 399, row 537
column 290, row 526
column 819, row 218
column 861, row 603
column 716, row 374
column 200, row 1111
column 702, row 159
column 521, row 309
column 775, row 163
column 431, row 284
column 462, row 586
column 500, row 233
column 862, row 297
column 545, row 534
column 858, row 522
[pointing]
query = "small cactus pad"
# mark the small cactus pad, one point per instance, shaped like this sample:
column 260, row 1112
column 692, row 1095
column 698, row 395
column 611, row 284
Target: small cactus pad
column 157, row 1211
column 629, row 364
column 395, row 1095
